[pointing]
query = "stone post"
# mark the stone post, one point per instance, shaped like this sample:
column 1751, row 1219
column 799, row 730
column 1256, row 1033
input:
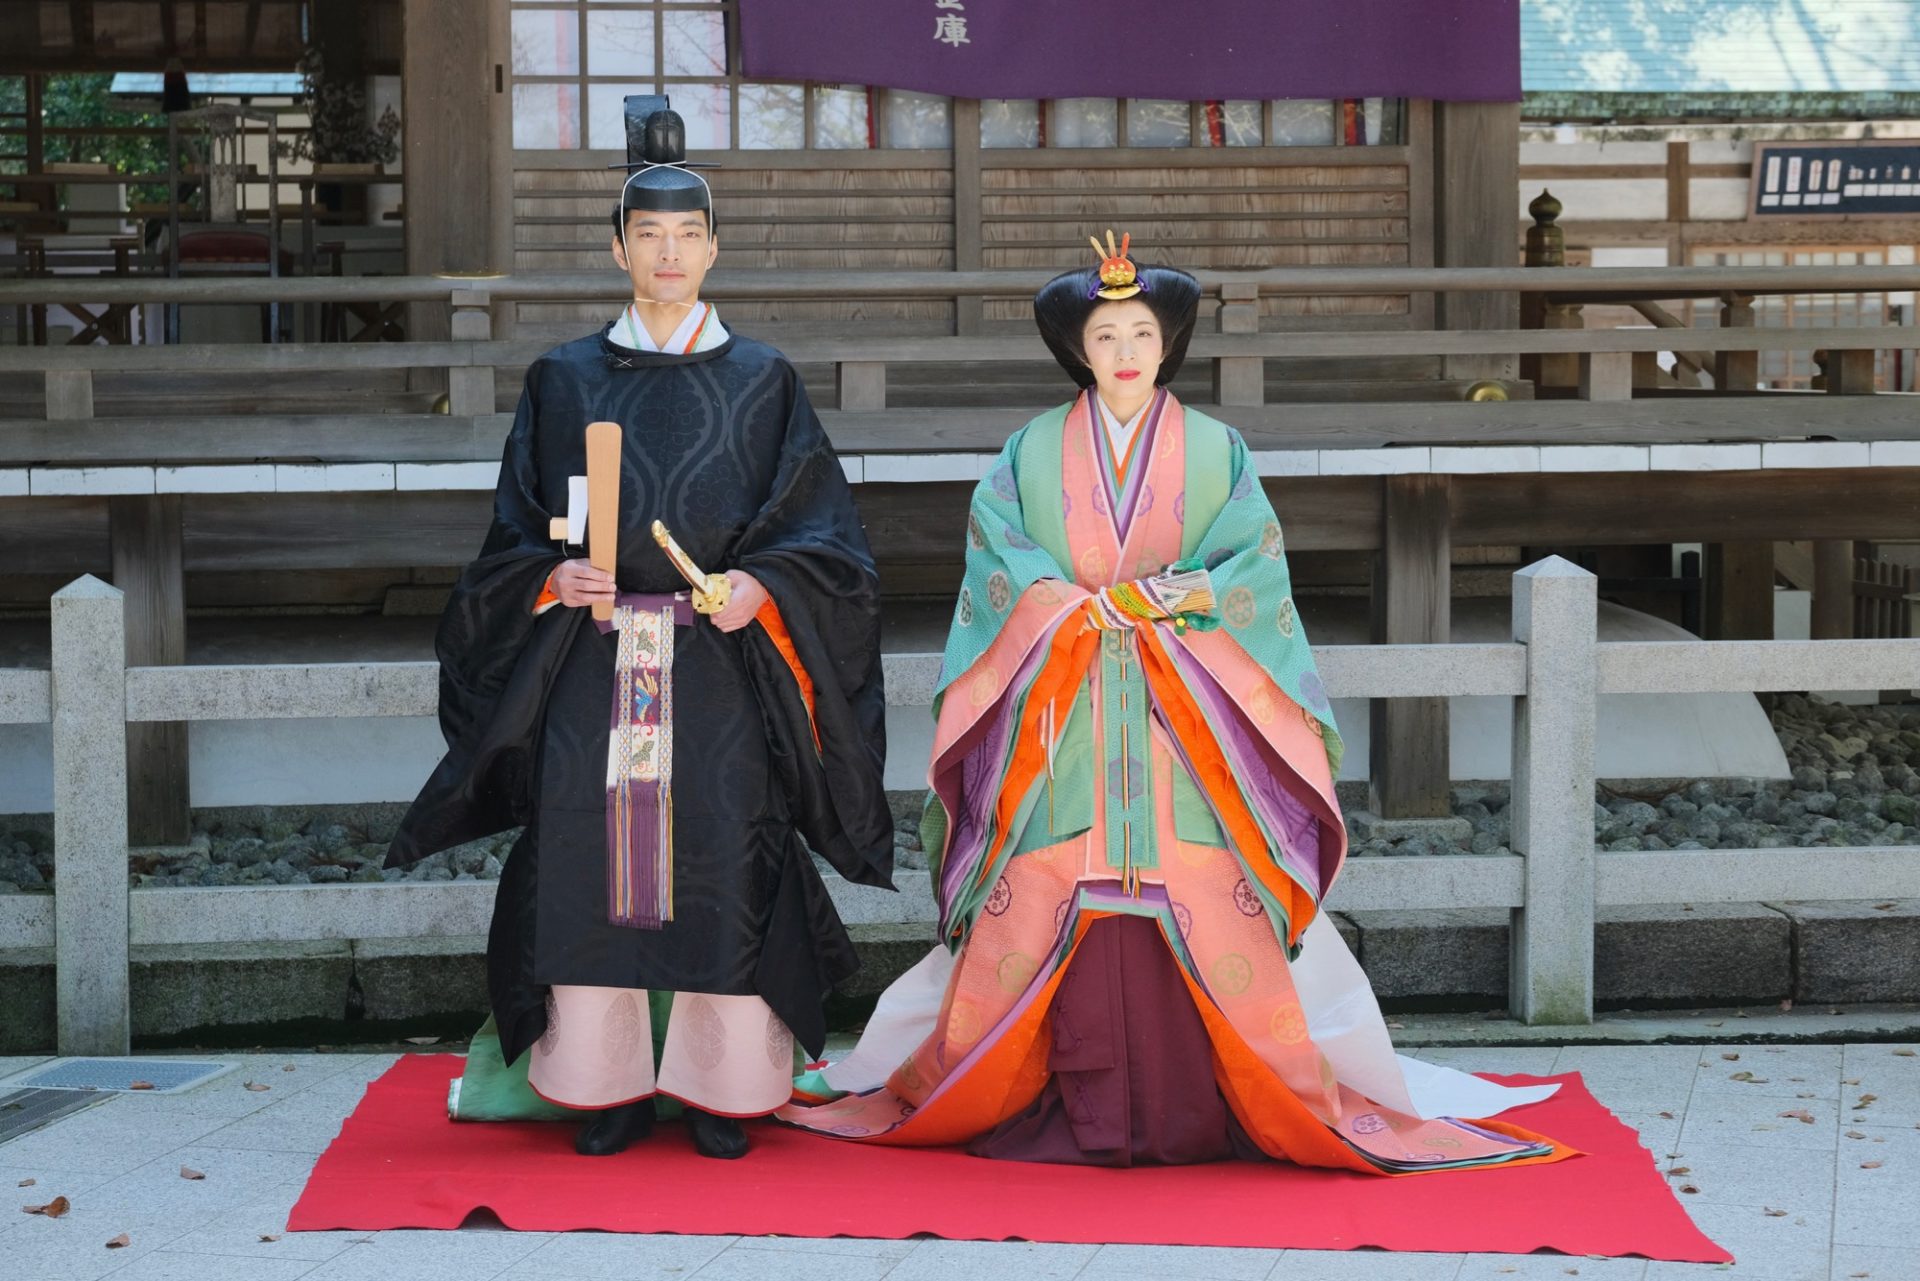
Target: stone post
column 90, row 818
column 1555, row 615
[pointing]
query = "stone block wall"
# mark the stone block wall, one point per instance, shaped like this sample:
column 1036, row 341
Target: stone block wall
column 1735, row 954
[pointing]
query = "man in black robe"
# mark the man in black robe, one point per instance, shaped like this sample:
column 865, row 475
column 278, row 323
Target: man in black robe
column 770, row 711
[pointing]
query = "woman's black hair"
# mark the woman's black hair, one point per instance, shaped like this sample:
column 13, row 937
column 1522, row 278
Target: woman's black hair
column 1064, row 304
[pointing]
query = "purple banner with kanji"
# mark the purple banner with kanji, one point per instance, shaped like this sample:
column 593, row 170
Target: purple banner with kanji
column 1191, row 50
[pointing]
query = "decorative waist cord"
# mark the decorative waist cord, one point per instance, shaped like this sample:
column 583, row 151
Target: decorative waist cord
column 640, row 760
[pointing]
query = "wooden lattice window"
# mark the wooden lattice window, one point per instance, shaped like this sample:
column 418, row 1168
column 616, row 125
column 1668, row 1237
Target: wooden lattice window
column 573, row 61
column 1153, row 122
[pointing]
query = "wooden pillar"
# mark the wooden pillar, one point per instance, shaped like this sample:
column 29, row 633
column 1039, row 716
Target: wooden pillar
column 1739, row 591
column 1832, row 589
column 339, row 32
column 451, row 153
column 968, row 242
column 1736, row 370
column 862, row 385
column 36, row 157
column 1738, row 594
column 1239, row 380
column 144, row 530
column 1605, row 375
column 1546, row 239
column 1412, row 605
column 1846, row 373
column 1476, row 172
column 1679, row 183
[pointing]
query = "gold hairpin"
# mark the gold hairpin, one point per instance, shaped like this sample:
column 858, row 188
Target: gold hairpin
column 1118, row 276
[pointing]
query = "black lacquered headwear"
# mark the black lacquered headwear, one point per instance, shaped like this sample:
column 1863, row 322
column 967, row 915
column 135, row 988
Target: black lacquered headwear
column 1065, row 303
column 659, row 175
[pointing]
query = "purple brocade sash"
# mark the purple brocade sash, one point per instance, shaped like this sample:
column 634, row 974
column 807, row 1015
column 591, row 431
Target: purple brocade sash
column 640, row 759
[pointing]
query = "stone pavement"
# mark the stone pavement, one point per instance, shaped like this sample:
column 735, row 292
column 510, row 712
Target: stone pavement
column 1833, row 1199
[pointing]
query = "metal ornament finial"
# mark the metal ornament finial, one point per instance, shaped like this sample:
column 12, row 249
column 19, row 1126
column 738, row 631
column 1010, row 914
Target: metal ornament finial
column 1119, row 278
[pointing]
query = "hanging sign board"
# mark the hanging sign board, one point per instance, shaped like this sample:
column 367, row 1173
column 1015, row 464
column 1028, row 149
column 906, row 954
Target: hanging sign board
column 1835, row 180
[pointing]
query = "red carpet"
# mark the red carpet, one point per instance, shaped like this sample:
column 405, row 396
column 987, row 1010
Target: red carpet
column 399, row 1163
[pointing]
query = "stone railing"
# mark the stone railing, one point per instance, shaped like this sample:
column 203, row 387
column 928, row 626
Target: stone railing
column 1554, row 668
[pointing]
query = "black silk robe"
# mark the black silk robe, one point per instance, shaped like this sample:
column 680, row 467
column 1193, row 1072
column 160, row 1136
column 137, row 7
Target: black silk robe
column 724, row 447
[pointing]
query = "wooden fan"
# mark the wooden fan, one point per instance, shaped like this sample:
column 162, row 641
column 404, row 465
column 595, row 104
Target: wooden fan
column 603, row 503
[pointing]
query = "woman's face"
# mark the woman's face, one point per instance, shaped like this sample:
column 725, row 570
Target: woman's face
column 1123, row 345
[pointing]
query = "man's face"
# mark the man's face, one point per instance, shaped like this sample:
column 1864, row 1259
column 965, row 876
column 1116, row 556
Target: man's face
column 666, row 255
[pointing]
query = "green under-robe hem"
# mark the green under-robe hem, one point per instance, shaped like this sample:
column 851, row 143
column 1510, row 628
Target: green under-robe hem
column 491, row 1089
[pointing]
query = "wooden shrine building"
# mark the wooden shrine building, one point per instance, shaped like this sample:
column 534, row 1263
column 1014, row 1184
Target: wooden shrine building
column 892, row 187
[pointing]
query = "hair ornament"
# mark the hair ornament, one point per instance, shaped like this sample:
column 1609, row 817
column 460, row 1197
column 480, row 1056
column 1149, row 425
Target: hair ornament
column 1118, row 278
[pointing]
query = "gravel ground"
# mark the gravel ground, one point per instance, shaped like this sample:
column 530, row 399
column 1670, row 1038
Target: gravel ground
column 1854, row 782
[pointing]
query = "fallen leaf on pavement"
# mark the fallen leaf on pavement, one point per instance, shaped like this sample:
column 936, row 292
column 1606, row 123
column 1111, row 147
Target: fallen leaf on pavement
column 1855, row 1134
column 1870, row 1165
column 1866, row 1099
column 1679, row 1169
column 26, row 1183
column 256, row 1087
column 187, row 1172
column 1800, row 1114
column 120, row 1242
column 1903, row 1053
column 52, row 1209
column 1688, row 1188
column 1776, row 1214
column 287, row 1068
column 1731, row 1058
column 140, row 1085
column 269, row 1236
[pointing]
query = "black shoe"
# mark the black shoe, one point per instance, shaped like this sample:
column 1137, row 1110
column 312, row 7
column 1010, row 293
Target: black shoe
column 611, row 1130
column 719, row 1137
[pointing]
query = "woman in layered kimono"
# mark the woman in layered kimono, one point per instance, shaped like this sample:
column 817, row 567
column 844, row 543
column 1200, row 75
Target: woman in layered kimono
column 1132, row 816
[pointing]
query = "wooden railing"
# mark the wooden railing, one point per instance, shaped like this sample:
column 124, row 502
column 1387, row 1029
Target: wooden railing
column 1600, row 364
column 1552, row 882
column 1341, row 470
